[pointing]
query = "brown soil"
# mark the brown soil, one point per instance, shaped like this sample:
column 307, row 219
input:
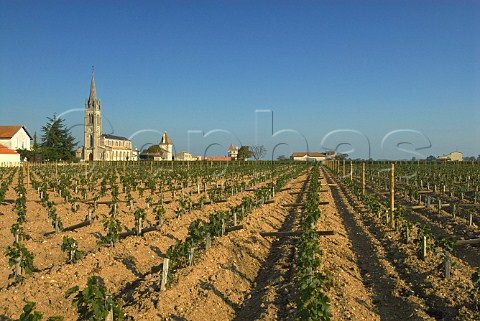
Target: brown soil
column 243, row 276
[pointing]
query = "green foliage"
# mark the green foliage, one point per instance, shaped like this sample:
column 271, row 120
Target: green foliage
column 70, row 247
column 93, row 303
column 18, row 253
column 159, row 212
column 29, row 314
column 313, row 302
column 244, row 153
column 58, row 143
column 112, row 227
column 140, row 214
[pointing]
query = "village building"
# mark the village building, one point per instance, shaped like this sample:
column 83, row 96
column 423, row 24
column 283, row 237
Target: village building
column 15, row 137
column 308, row 156
column 185, row 156
column 98, row 146
column 8, row 157
column 455, row 156
column 161, row 151
column 233, row 152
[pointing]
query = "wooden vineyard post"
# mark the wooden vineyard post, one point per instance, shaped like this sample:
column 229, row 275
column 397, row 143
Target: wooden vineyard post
column 470, row 218
column 109, row 315
column 190, row 256
column 424, row 247
column 343, row 168
column 363, row 178
column 447, row 264
column 392, row 195
column 163, row 284
column 208, row 241
column 351, row 171
column 234, row 218
column 28, row 174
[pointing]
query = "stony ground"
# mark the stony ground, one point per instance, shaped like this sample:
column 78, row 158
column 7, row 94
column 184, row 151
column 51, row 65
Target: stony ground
column 245, row 276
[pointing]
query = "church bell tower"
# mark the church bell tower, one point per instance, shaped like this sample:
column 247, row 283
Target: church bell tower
column 92, row 125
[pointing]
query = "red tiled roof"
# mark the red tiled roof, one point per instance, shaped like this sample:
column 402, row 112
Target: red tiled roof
column 218, row 158
column 5, row 150
column 231, row 148
column 10, row 131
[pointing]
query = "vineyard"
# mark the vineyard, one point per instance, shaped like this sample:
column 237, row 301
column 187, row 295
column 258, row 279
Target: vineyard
column 240, row 241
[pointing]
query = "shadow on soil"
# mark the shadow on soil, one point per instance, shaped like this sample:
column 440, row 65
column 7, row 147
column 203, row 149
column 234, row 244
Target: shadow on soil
column 255, row 305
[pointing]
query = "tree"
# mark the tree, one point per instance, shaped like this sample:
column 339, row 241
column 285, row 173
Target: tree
column 431, row 158
column 258, row 151
column 57, row 141
column 244, row 153
column 282, row 158
column 341, row 156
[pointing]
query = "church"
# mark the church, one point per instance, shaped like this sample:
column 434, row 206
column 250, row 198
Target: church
column 98, row 146
column 106, row 147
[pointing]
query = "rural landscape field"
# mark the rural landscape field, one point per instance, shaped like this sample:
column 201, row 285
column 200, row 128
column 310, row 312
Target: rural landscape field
column 239, row 160
column 348, row 259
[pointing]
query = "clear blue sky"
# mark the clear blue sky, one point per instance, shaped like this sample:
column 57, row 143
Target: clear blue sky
column 371, row 67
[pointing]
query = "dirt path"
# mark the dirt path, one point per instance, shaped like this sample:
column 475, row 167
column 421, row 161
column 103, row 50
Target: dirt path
column 377, row 272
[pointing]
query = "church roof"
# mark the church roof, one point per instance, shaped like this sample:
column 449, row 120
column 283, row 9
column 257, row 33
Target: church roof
column 114, row 137
column 10, row 131
column 231, row 148
column 93, row 91
column 165, row 139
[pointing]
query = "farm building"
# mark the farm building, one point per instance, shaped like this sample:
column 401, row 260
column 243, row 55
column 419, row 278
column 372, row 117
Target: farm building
column 308, row 156
column 185, row 156
column 455, row 156
column 15, row 137
column 8, row 157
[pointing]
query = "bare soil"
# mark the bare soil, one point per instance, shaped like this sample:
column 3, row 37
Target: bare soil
column 243, row 276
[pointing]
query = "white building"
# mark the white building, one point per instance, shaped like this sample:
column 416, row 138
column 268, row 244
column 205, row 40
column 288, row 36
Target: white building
column 8, row 157
column 233, row 152
column 452, row 157
column 308, row 156
column 185, row 156
column 166, row 147
column 15, row 137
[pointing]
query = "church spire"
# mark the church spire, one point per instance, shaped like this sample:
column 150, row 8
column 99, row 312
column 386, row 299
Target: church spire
column 93, row 92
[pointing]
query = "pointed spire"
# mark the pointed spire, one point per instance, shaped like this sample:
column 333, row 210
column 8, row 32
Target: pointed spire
column 93, row 92
column 165, row 139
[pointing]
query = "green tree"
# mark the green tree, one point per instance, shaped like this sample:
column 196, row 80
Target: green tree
column 341, row 156
column 57, row 141
column 244, row 153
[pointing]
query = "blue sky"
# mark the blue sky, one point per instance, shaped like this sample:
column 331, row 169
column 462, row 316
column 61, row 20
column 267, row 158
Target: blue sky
column 333, row 73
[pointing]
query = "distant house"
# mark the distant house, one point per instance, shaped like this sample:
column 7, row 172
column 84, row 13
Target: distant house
column 455, row 156
column 308, row 156
column 15, row 137
column 233, row 152
column 185, row 156
column 8, row 157
column 218, row 158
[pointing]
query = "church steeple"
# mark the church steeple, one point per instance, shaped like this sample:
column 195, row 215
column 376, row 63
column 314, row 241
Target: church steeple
column 93, row 92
